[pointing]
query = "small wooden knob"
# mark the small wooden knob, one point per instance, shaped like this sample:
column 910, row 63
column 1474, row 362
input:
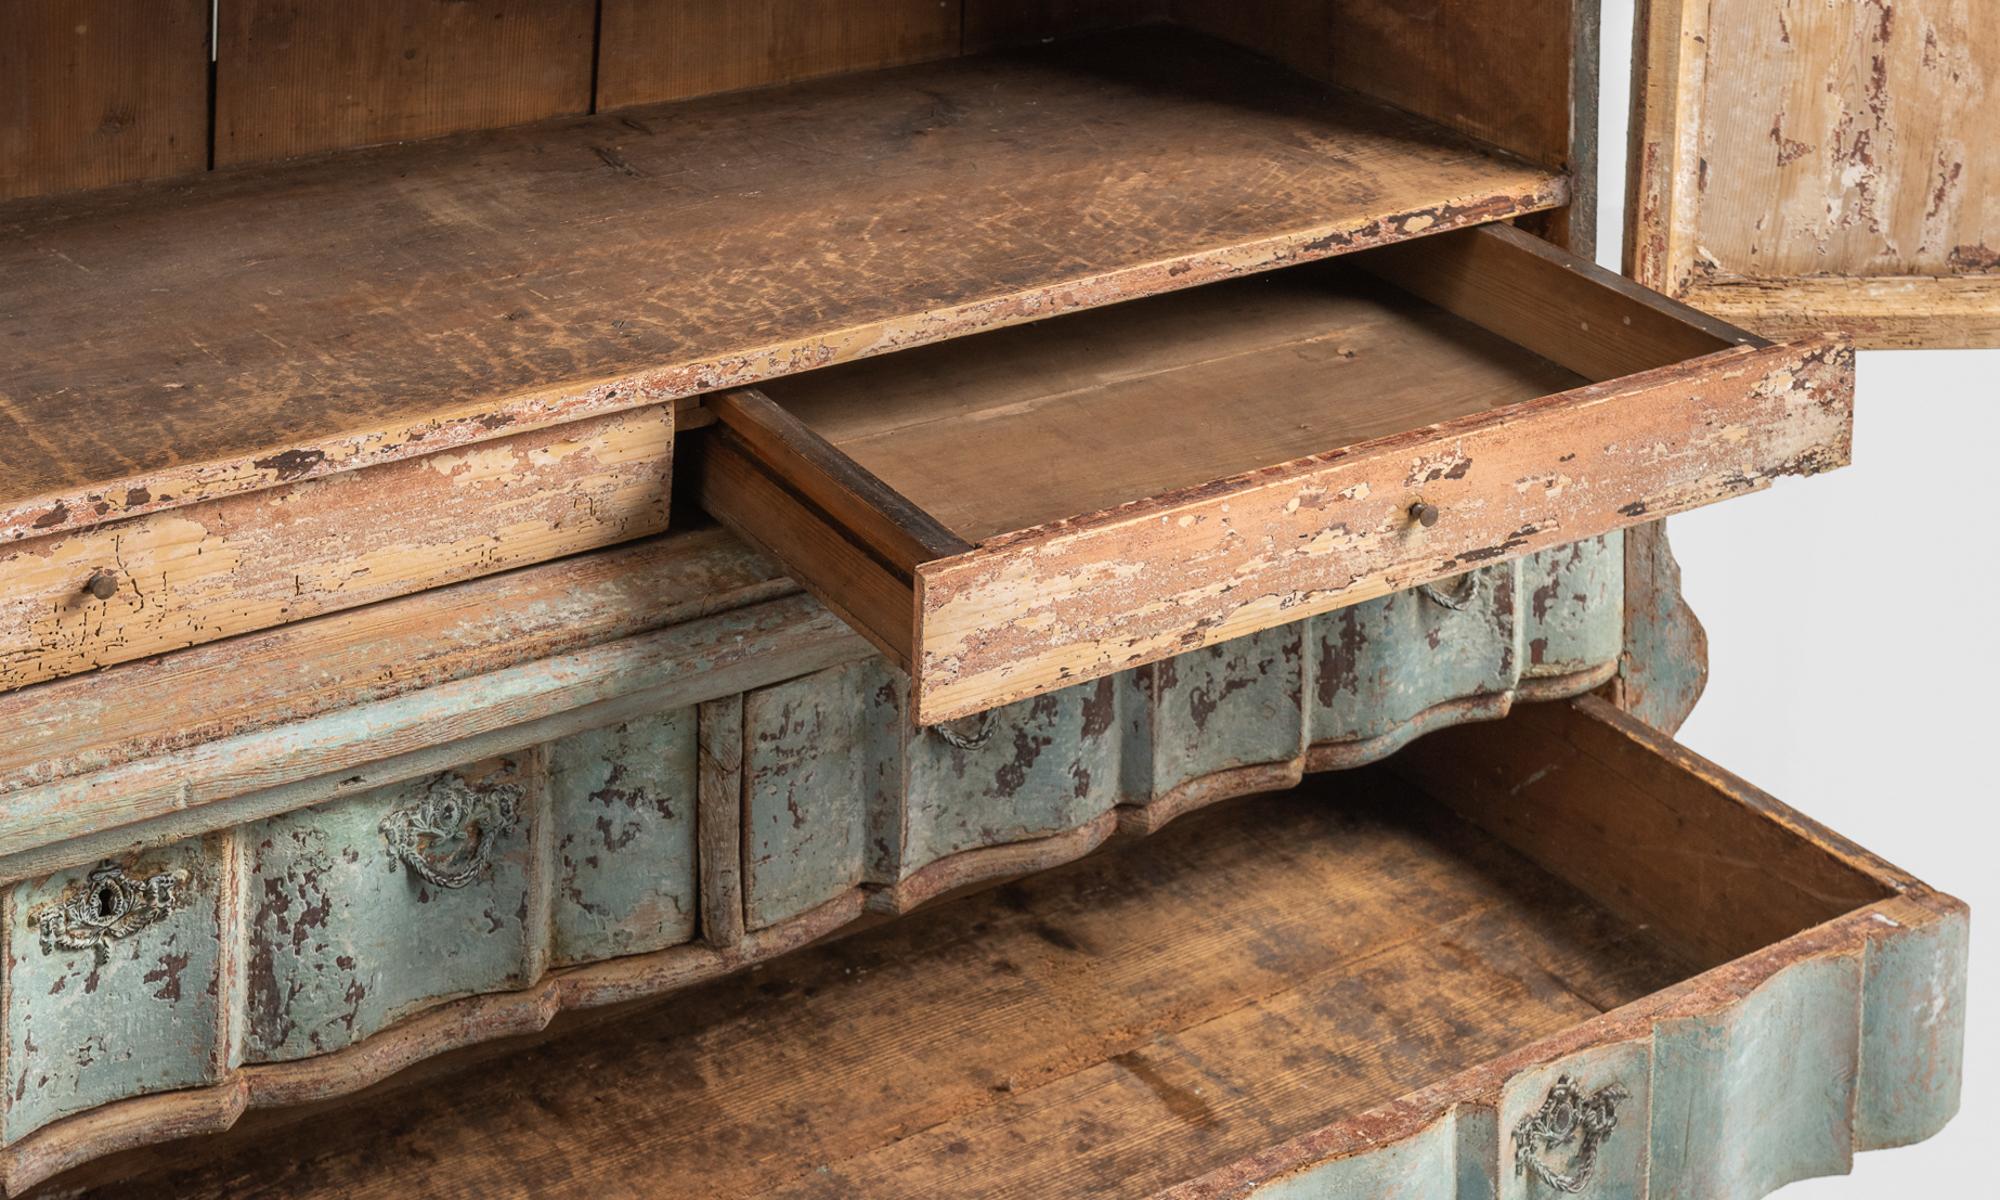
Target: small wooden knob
column 102, row 585
column 1424, row 514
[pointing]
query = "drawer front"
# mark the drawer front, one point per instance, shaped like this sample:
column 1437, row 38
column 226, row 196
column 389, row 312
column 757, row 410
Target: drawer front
column 214, row 569
column 117, row 974
column 1429, row 414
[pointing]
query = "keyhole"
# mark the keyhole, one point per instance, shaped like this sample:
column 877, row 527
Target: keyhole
column 107, row 902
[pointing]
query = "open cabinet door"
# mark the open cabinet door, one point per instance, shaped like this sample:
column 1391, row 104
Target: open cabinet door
column 1808, row 165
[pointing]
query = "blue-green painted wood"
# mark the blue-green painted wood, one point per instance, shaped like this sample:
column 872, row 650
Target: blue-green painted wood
column 81, row 1032
column 1380, row 667
column 1024, row 771
column 345, row 939
column 1573, row 600
column 1621, row 1075
column 1451, row 1159
column 1760, row 1094
column 812, row 752
column 622, row 820
column 1229, row 706
column 1913, row 1030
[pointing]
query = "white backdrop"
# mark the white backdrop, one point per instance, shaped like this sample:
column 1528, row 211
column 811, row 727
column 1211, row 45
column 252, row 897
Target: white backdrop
column 1854, row 650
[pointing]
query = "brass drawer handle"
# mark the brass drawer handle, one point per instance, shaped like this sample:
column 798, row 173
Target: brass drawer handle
column 1567, row 1116
column 447, row 838
column 108, row 906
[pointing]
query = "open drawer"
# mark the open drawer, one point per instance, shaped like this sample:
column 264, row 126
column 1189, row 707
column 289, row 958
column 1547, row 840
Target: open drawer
column 1554, row 954
column 1022, row 510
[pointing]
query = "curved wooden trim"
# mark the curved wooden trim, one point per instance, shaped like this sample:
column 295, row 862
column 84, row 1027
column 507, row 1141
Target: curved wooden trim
column 1716, row 997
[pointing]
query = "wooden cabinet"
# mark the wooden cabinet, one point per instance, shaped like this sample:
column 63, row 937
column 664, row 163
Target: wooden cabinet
column 741, row 472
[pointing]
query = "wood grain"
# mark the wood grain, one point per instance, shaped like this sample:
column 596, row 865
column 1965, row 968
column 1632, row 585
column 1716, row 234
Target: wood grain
column 295, row 77
column 1052, row 606
column 418, row 297
column 654, row 50
column 992, row 24
column 1820, row 166
column 1038, row 424
column 96, row 92
column 242, row 563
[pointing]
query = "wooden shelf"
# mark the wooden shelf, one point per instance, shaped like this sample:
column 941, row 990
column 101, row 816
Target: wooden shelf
column 167, row 343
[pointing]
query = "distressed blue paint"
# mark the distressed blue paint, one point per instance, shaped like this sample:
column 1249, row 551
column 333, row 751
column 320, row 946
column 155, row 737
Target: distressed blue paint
column 1231, row 705
column 1573, row 607
column 622, row 819
column 1622, row 1162
column 1024, row 771
column 1448, row 1160
column 81, row 1033
column 1913, row 1031
column 811, row 752
column 1381, row 665
column 344, row 940
column 1761, row 1093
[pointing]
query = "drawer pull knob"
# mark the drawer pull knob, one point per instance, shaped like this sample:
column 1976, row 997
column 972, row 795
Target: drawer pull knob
column 1424, row 514
column 447, row 838
column 1567, row 1116
column 103, row 585
column 107, row 906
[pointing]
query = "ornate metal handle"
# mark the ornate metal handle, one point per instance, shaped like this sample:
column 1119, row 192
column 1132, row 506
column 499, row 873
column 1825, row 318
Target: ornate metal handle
column 967, row 733
column 1461, row 595
column 108, row 906
column 447, row 838
column 1567, row 1116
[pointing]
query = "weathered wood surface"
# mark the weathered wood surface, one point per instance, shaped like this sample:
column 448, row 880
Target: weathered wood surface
column 656, row 50
column 297, row 78
column 1800, row 167
column 1101, row 545
column 416, row 298
column 1184, row 1018
column 811, row 800
column 1664, row 668
column 1034, row 610
column 100, row 92
column 224, row 567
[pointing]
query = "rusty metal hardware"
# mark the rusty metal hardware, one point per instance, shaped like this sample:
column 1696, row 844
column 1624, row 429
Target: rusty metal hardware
column 448, row 837
column 108, row 906
column 1567, row 1116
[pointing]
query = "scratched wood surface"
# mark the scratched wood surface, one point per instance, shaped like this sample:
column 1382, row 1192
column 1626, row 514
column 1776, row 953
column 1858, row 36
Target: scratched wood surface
column 1801, row 166
column 413, row 298
column 654, row 50
column 294, row 77
column 97, row 92
column 211, row 570
column 1071, row 417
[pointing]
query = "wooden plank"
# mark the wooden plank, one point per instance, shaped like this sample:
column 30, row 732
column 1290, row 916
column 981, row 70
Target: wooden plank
column 1553, row 303
column 95, row 92
column 420, row 297
column 190, row 575
column 992, row 24
column 1038, row 424
column 762, row 510
column 375, row 653
column 294, row 77
column 1054, row 606
column 1500, row 70
column 853, row 498
column 654, row 50
column 1890, row 312
column 1714, row 866
column 1820, row 166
